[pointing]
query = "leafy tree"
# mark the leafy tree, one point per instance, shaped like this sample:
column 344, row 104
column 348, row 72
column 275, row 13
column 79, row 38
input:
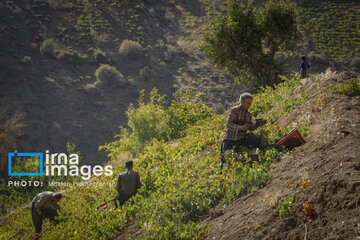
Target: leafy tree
column 246, row 40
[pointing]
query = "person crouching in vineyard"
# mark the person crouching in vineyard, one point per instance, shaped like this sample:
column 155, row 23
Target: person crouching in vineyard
column 238, row 122
column 127, row 184
column 44, row 205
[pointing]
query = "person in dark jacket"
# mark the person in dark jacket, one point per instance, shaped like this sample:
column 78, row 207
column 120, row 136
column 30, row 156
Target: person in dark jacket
column 127, row 184
column 303, row 67
column 44, row 205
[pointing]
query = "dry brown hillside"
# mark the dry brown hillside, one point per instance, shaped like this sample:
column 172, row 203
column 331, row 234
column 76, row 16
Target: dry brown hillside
column 330, row 159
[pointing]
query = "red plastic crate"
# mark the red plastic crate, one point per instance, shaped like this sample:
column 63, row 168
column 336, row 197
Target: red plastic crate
column 291, row 140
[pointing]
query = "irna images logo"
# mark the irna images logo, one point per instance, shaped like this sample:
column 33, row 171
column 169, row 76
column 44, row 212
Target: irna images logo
column 58, row 164
column 16, row 154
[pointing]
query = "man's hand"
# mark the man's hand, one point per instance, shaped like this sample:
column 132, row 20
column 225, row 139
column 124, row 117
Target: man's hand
column 260, row 122
column 245, row 127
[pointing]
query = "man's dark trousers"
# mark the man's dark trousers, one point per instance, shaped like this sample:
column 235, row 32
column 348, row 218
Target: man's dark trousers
column 49, row 213
column 251, row 141
column 122, row 198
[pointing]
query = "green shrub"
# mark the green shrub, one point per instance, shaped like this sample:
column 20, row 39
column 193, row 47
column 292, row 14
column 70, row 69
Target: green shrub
column 109, row 75
column 350, row 88
column 48, row 47
column 185, row 111
column 148, row 121
column 131, row 49
column 285, row 207
column 153, row 121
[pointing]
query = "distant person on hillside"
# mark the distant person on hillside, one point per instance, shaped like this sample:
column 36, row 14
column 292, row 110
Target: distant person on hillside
column 127, row 184
column 303, row 67
column 238, row 122
column 44, row 205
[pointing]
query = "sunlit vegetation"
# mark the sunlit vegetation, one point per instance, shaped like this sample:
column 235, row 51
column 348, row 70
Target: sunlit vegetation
column 350, row 88
column 179, row 169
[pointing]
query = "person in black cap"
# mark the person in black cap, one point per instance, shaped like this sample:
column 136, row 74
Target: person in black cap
column 44, row 205
column 127, row 184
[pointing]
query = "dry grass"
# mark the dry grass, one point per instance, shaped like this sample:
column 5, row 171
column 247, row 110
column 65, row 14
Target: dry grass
column 321, row 81
column 329, row 75
column 9, row 129
column 321, row 110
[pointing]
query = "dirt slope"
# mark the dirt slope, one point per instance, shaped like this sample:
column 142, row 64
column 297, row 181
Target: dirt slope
column 330, row 159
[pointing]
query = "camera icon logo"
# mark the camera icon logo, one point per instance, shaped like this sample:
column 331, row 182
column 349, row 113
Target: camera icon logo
column 17, row 154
